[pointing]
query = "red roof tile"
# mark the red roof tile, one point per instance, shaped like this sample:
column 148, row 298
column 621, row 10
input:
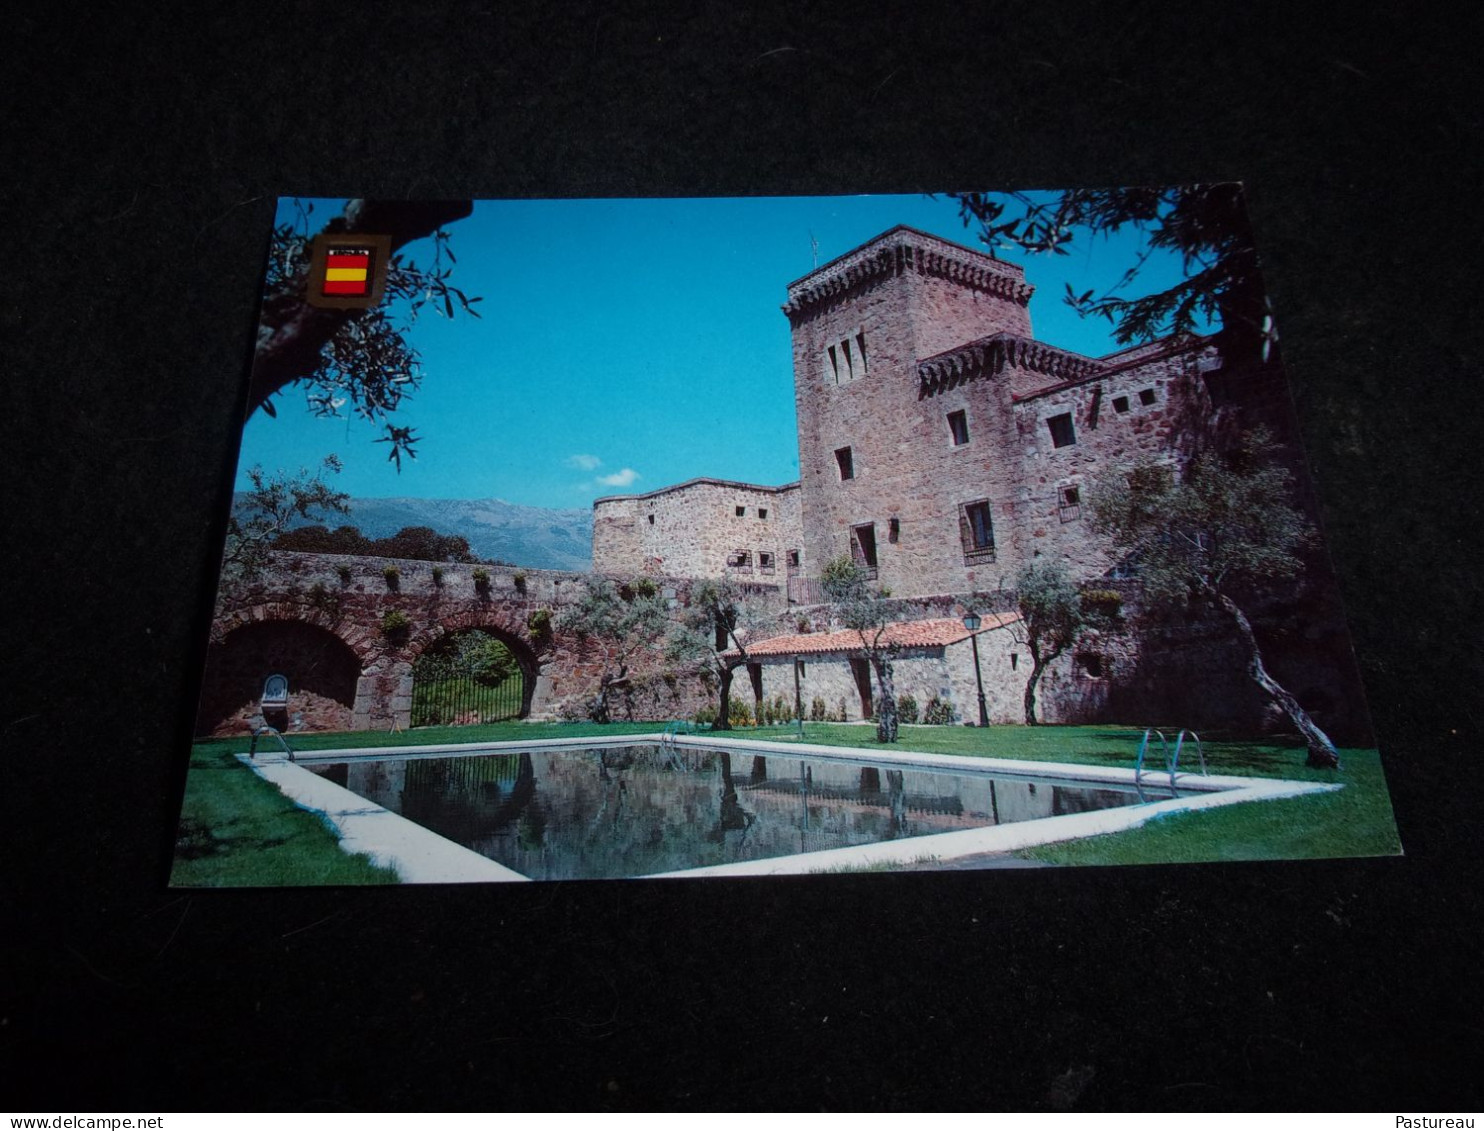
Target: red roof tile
column 906, row 633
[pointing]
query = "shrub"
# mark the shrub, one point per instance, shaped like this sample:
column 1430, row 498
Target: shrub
column 804, row 626
column 939, row 712
column 816, row 710
column 739, row 712
column 394, row 625
column 906, row 709
column 539, row 626
column 706, row 715
column 345, row 574
column 783, row 710
column 438, row 577
column 840, row 715
column 520, row 581
column 324, row 599
column 393, row 577
column 481, row 580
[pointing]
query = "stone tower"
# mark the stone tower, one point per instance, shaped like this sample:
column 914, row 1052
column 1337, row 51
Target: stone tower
column 913, row 476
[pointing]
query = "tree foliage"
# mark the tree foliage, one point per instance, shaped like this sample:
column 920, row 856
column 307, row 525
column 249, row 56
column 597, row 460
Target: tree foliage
column 357, row 360
column 416, row 543
column 622, row 624
column 1222, row 530
column 275, row 502
column 1206, row 225
column 1054, row 616
column 711, row 636
column 862, row 610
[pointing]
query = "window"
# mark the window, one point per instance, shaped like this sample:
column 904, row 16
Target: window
column 1014, row 660
column 1062, row 433
column 846, row 359
column 1090, row 664
column 860, row 345
column 793, row 559
column 958, row 427
column 739, row 559
column 741, row 511
column 762, row 512
column 976, row 530
column 863, row 547
column 1120, row 404
column 765, row 561
column 834, row 364
column 1146, row 396
column 846, row 463
column 651, row 520
column 893, row 530
column 1069, row 504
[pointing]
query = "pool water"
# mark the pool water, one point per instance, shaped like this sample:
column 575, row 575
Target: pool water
column 633, row 811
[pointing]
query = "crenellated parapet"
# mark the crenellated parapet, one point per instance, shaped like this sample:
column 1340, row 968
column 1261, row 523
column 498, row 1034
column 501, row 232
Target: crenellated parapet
column 990, row 355
column 901, row 251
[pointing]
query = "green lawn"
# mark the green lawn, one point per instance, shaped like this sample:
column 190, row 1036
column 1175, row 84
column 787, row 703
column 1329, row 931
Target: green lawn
column 255, row 836
column 236, row 830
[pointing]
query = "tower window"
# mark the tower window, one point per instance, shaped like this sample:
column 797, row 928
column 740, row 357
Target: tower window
column 1120, row 404
column 893, row 530
column 1062, row 433
column 1146, row 396
column 834, row 364
column 740, row 559
column 793, row 559
column 762, row 512
column 958, row 427
column 846, row 463
column 860, row 345
column 765, row 561
column 741, row 511
column 863, row 546
column 976, row 531
column 651, row 520
column 1069, row 504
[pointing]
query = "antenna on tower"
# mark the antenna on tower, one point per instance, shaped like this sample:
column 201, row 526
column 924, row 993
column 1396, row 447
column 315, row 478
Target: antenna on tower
column 814, row 247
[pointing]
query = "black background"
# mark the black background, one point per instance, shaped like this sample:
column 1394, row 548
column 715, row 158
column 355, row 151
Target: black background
column 139, row 158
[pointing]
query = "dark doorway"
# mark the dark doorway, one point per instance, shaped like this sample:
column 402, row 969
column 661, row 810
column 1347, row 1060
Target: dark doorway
column 861, row 670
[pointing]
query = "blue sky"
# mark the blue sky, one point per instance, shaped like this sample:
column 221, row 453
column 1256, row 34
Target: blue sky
column 629, row 344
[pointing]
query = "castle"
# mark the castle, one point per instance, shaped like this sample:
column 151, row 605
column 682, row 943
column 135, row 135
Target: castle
column 940, row 445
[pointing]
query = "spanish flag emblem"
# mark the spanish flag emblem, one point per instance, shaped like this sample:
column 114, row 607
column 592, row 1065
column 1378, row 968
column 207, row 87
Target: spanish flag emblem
column 347, row 272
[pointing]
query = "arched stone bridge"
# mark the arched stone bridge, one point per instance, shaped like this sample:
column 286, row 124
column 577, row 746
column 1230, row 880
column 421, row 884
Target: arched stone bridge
column 330, row 623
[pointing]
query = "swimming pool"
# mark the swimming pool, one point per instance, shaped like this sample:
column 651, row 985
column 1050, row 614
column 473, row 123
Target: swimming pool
column 613, row 811
column 420, row 855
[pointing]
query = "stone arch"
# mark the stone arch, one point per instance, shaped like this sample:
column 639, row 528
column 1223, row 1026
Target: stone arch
column 362, row 640
column 508, row 625
column 323, row 670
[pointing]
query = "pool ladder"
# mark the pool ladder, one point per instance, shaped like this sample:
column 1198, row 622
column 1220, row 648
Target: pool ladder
column 265, row 729
column 1172, row 759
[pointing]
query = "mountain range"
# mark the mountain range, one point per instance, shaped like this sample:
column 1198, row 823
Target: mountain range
column 535, row 537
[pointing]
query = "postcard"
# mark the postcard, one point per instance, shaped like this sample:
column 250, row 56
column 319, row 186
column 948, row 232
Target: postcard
column 600, row 539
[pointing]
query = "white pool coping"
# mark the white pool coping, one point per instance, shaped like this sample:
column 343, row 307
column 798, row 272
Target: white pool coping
column 419, row 855
column 416, row 854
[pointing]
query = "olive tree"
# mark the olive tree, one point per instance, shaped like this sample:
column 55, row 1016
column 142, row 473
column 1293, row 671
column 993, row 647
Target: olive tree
column 1222, row 529
column 862, row 610
column 624, row 622
column 712, row 635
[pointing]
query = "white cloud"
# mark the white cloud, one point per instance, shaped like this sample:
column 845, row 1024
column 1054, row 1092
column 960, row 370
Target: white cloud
column 585, row 462
column 619, row 478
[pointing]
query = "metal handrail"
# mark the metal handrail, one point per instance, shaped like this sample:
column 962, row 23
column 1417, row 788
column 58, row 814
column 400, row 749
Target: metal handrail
column 258, row 732
column 1175, row 758
column 1139, row 763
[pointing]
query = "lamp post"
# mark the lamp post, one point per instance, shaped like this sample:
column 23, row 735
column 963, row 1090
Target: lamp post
column 972, row 622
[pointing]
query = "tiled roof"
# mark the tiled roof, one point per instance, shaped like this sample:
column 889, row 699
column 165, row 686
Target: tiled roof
column 906, row 633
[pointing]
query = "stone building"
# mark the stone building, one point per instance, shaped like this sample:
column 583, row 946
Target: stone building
column 940, row 444
column 701, row 528
column 944, row 448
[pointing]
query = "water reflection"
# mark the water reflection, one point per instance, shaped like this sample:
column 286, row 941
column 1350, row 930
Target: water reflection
column 610, row 812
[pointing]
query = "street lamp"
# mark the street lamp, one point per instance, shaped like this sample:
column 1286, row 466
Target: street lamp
column 972, row 622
